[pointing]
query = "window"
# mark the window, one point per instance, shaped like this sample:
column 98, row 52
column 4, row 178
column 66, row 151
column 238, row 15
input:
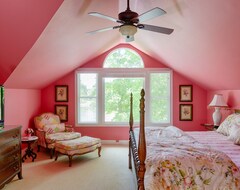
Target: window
column 116, row 97
column 123, row 58
column 103, row 95
column 160, row 97
column 87, row 96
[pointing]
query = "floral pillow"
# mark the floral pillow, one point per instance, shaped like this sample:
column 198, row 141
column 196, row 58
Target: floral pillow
column 227, row 124
column 54, row 128
column 235, row 134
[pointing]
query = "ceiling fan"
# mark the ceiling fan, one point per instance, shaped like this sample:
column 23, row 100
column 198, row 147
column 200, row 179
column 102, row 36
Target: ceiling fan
column 130, row 21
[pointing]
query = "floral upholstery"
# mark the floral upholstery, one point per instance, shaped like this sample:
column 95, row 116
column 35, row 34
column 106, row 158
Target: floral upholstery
column 54, row 128
column 77, row 146
column 79, row 143
column 49, row 130
column 226, row 125
column 45, row 119
column 51, row 138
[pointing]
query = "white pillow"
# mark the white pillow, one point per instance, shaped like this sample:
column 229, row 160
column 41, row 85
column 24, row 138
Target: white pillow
column 235, row 134
column 170, row 131
column 227, row 124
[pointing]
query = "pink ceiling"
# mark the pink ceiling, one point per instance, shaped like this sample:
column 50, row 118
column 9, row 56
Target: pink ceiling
column 21, row 23
column 36, row 48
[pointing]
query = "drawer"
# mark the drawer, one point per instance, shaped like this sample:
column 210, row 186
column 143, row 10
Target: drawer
column 10, row 158
column 9, row 147
column 8, row 172
column 9, row 136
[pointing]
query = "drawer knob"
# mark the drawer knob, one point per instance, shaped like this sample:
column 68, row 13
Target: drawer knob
column 16, row 168
column 15, row 136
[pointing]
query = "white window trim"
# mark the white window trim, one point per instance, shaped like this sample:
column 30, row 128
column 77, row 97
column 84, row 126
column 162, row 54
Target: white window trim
column 115, row 72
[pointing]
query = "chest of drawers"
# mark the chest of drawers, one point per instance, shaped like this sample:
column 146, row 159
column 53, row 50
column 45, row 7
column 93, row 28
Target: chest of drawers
column 10, row 154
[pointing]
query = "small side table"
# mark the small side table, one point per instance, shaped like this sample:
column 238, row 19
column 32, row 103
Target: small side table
column 29, row 151
column 210, row 127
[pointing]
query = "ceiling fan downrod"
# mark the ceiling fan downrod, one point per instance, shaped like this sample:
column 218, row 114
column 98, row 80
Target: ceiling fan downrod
column 128, row 6
column 127, row 16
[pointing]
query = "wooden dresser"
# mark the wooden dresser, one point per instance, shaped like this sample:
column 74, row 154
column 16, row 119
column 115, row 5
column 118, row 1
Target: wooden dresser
column 10, row 154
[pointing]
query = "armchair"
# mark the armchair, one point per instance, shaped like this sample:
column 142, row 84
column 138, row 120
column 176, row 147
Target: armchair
column 49, row 130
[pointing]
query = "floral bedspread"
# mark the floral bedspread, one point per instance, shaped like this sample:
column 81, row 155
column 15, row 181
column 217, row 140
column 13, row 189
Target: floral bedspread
column 176, row 161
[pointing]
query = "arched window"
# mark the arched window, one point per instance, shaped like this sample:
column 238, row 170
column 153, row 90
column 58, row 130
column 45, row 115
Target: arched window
column 103, row 93
column 123, row 58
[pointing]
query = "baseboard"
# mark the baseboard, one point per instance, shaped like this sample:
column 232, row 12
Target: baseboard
column 115, row 142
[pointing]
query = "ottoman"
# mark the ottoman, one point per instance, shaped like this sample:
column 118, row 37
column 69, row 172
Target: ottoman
column 78, row 146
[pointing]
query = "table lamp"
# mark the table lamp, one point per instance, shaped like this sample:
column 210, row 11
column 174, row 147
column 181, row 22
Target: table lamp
column 217, row 102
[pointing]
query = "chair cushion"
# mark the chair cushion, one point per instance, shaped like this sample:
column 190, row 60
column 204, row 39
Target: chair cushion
column 62, row 136
column 45, row 119
column 79, row 151
column 54, row 128
column 79, row 143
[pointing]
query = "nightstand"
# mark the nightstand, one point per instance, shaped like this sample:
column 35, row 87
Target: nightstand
column 29, row 151
column 210, row 127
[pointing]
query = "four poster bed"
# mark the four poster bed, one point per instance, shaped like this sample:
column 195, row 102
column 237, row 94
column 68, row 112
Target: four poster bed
column 168, row 158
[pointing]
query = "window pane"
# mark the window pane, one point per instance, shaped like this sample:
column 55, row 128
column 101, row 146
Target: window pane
column 88, row 85
column 123, row 58
column 160, row 111
column 160, row 97
column 88, row 110
column 160, row 84
column 87, row 98
column 117, row 98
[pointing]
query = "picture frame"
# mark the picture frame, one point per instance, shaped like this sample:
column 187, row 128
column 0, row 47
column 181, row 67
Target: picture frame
column 185, row 93
column 62, row 112
column 185, row 112
column 61, row 93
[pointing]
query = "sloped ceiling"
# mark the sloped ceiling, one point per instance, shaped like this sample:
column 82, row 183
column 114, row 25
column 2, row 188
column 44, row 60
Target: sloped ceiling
column 44, row 40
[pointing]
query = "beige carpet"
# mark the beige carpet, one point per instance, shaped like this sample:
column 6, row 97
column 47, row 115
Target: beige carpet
column 88, row 172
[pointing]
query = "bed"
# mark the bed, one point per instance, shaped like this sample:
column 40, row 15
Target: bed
column 168, row 158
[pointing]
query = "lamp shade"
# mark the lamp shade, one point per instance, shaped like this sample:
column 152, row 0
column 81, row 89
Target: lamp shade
column 218, row 101
column 128, row 30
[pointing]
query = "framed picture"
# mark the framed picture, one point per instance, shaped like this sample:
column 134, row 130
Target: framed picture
column 62, row 112
column 185, row 93
column 186, row 112
column 61, row 93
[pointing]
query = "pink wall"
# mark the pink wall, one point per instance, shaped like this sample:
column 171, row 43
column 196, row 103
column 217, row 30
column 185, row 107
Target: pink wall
column 121, row 133
column 21, row 106
column 199, row 105
column 232, row 98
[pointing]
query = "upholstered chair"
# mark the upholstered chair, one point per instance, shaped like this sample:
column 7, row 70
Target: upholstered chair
column 49, row 130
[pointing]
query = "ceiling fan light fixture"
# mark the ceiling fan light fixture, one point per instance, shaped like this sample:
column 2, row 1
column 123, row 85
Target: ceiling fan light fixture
column 129, row 38
column 128, row 30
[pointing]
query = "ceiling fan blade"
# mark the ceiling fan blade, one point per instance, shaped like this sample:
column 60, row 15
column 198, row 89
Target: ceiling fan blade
column 103, row 29
column 104, row 16
column 156, row 29
column 155, row 12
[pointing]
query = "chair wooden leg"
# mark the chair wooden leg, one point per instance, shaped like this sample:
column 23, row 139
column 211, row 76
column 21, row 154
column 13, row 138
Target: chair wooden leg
column 51, row 153
column 56, row 156
column 70, row 160
column 99, row 151
column 38, row 148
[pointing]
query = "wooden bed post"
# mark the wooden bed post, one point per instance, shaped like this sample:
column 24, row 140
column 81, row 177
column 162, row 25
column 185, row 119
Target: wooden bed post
column 141, row 144
column 131, row 129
